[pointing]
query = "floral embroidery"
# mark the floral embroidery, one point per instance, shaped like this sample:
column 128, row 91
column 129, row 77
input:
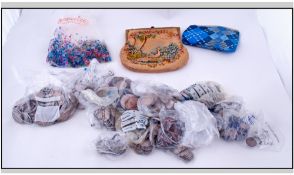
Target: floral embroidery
column 160, row 55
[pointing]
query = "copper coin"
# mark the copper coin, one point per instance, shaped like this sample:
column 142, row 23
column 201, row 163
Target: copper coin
column 250, row 141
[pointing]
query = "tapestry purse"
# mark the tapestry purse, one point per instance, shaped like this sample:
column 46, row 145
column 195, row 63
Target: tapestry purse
column 154, row 50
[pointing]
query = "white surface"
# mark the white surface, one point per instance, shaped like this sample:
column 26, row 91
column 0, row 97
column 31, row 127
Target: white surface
column 277, row 25
column 10, row 17
column 249, row 72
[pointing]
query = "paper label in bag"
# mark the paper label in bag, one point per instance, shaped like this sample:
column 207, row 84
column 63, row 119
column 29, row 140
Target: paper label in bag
column 132, row 120
column 196, row 91
column 268, row 136
column 47, row 109
column 47, row 114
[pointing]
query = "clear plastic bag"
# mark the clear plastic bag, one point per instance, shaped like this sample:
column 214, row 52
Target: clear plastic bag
column 111, row 97
column 208, row 93
column 76, row 42
column 150, row 105
column 24, row 110
column 88, row 81
column 102, row 97
column 105, row 117
column 111, row 143
column 172, row 129
column 49, row 105
column 164, row 92
column 123, row 84
column 232, row 119
column 199, row 123
column 46, row 101
column 262, row 135
column 153, row 97
column 127, row 100
column 236, row 123
column 139, row 141
column 230, row 103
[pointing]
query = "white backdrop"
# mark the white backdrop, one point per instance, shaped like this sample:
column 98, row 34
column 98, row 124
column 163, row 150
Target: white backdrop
column 249, row 72
column 277, row 26
column 9, row 18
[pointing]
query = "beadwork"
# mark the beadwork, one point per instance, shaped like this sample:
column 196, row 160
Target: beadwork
column 64, row 51
column 152, row 57
column 216, row 38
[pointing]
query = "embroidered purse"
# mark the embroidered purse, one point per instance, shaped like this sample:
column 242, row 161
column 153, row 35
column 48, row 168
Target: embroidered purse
column 154, row 50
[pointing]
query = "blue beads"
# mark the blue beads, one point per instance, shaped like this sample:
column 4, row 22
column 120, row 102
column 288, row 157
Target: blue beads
column 216, row 38
column 65, row 52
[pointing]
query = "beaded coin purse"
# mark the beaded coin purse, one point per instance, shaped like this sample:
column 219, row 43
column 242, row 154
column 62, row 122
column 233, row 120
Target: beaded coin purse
column 154, row 50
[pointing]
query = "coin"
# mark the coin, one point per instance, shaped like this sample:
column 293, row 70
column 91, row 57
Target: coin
column 250, row 141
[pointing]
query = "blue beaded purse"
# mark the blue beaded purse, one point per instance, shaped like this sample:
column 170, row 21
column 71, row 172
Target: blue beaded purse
column 216, row 38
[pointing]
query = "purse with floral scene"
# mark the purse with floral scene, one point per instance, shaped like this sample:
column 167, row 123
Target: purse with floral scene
column 154, row 50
